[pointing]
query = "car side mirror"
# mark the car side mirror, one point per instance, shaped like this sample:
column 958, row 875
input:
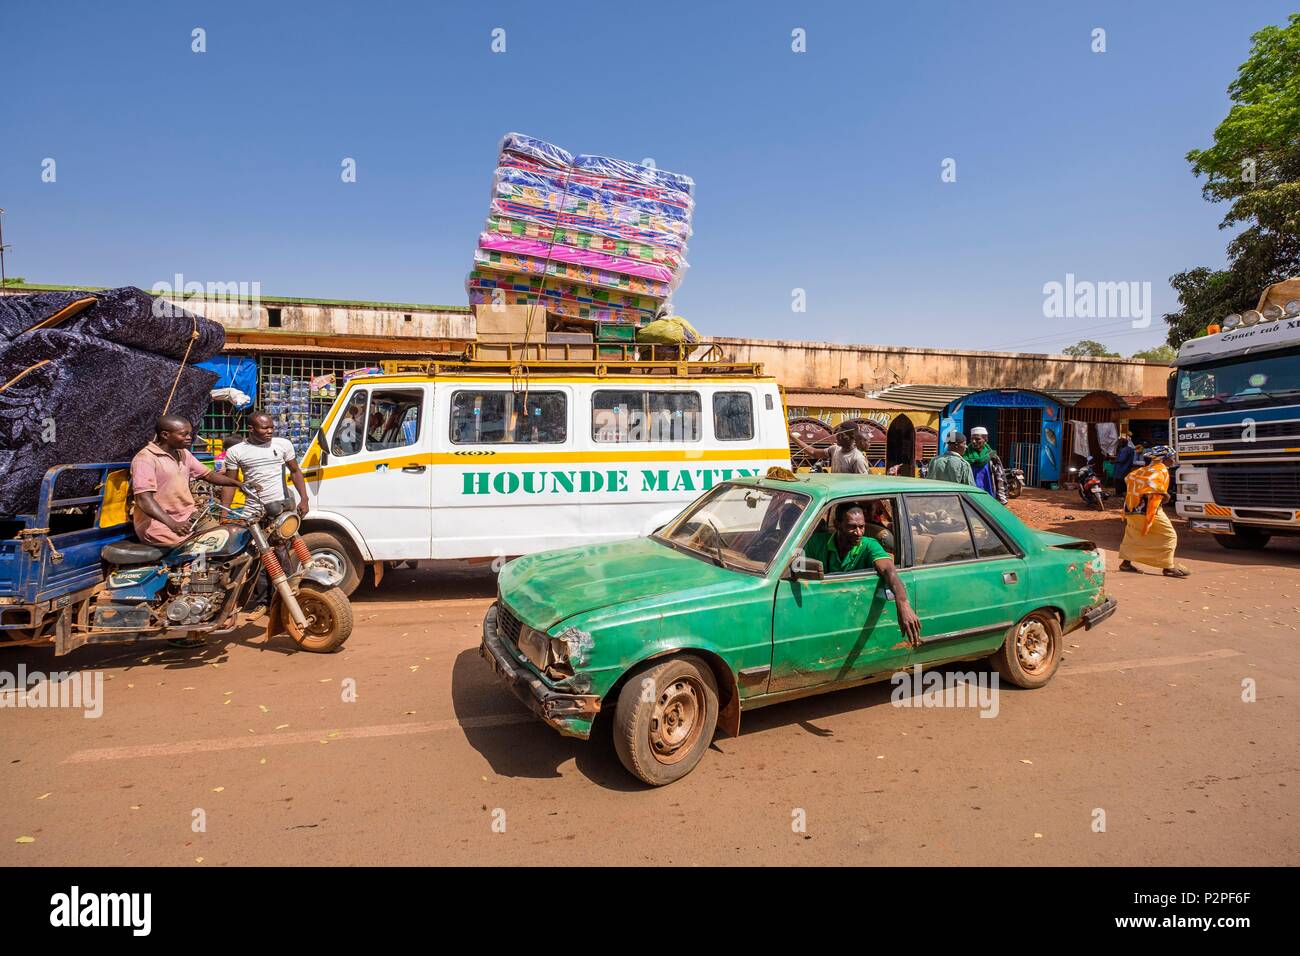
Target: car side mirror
column 324, row 448
column 806, row 569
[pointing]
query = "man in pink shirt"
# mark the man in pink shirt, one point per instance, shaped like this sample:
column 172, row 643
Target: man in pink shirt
column 160, row 480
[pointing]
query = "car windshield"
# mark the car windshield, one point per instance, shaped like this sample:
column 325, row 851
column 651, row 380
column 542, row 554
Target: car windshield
column 1247, row 380
column 737, row 526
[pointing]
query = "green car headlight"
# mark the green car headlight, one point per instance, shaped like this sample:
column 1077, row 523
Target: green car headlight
column 536, row 646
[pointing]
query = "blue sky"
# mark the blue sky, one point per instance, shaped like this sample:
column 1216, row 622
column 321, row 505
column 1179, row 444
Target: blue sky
column 817, row 171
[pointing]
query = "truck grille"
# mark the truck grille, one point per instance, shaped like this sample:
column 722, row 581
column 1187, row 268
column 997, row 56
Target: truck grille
column 1256, row 486
column 507, row 623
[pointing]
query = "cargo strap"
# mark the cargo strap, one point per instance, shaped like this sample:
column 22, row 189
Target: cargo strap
column 194, row 334
column 31, row 368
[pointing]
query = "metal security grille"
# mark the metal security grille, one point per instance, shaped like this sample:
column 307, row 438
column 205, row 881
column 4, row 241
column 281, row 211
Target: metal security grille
column 1024, row 455
column 1256, row 486
column 1019, row 425
column 297, row 392
column 1020, row 433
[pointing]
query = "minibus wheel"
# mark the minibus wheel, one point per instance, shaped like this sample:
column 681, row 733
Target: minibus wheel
column 333, row 555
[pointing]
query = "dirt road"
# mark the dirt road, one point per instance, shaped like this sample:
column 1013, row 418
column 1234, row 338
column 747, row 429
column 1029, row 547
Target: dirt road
column 1141, row 751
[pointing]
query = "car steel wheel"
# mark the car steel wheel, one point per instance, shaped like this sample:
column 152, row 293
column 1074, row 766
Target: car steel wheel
column 676, row 720
column 1033, row 646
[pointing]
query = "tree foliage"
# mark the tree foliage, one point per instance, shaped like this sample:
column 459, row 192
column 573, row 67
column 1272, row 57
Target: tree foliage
column 1088, row 347
column 1254, row 166
column 1161, row 353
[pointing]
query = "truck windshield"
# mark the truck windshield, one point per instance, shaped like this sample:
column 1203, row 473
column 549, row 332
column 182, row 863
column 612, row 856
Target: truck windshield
column 1247, row 381
column 736, row 526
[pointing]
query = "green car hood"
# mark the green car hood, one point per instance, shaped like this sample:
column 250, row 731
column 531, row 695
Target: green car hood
column 544, row 589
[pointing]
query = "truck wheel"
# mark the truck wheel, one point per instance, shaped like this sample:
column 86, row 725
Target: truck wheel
column 334, row 555
column 665, row 719
column 1243, row 539
column 1032, row 651
column 329, row 619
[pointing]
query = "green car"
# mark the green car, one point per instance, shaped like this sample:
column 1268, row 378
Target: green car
column 768, row 589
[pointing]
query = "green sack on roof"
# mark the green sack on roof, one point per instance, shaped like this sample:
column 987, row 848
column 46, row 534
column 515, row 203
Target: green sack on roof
column 670, row 331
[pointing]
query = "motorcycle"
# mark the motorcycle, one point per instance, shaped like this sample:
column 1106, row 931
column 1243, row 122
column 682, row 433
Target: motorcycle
column 1015, row 482
column 197, row 588
column 1090, row 488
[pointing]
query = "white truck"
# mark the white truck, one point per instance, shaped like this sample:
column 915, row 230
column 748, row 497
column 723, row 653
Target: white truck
column 1235, row 399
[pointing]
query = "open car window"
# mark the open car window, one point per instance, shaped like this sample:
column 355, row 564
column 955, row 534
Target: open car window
column 737, row 526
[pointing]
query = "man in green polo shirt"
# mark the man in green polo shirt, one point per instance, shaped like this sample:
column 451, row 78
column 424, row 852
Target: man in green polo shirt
column 850, row 548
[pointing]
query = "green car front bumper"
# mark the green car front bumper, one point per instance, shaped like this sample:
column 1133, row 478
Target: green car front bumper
column 570, row 714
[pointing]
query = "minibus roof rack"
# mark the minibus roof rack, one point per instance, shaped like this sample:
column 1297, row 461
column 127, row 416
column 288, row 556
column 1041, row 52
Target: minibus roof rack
column 543, row 360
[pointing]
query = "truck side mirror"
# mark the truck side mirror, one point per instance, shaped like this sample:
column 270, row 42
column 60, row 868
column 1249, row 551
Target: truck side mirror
column 1169, row 388
column 324, row 456
column 805, row 569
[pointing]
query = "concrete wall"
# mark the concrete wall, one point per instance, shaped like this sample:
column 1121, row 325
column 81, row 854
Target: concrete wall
column 824, row 364
column 351, row 320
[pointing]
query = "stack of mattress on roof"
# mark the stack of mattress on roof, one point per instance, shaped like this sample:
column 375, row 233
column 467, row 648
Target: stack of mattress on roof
column 591, row 239
column 85, row 375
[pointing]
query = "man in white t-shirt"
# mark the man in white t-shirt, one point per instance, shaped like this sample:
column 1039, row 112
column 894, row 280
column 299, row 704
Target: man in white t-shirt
column 845, row 455
column 263, row 459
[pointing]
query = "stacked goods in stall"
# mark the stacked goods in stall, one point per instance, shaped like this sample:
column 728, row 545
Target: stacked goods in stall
column 598, row 243
column 287, row 399
column 84, row 376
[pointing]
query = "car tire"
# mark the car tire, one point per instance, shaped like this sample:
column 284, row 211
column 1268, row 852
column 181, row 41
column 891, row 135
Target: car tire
column 1031, row 652
column 666, row 715
column 1243, row 539
column 338, row 554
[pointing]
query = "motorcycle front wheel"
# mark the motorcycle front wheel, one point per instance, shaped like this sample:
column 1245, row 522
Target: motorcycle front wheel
column 329, row 619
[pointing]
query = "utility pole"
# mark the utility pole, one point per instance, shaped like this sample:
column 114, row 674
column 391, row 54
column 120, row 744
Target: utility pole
column 2, row 248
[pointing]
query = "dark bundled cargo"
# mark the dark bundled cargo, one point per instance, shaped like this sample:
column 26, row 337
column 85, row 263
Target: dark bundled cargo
column 74, row 391
column 127, row 316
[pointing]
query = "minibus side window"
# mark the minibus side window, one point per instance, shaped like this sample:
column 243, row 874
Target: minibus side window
column 351, row 429
column 503, row 418
column 394, row 420
column 637, row 416
column 733, row 416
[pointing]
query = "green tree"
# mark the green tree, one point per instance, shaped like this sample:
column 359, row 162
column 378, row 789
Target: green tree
column 1161, row 353
column 1088, row 347
column 1254, row 166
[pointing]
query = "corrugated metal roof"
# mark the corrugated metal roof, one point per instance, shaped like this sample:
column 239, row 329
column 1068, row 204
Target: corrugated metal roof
column 255, row 348
column 1072, row 396
column 938, row 396
column 810, row 399
column 932, row 397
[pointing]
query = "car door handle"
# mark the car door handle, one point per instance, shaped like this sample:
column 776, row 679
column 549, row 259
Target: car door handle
column 413, row 469
column 1010, row 577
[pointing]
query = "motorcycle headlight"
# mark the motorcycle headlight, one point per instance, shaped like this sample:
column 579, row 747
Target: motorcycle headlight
column 287, row 525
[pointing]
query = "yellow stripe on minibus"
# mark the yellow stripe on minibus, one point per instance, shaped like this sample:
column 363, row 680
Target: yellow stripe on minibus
column 544, row 458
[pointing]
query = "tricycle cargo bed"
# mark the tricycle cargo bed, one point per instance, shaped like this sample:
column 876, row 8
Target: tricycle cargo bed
column 51, row 558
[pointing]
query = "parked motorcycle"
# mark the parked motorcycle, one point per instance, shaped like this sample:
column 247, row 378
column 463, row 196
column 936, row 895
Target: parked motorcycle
column 198, row 587
column 1090, row 488
column 1015, row 482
